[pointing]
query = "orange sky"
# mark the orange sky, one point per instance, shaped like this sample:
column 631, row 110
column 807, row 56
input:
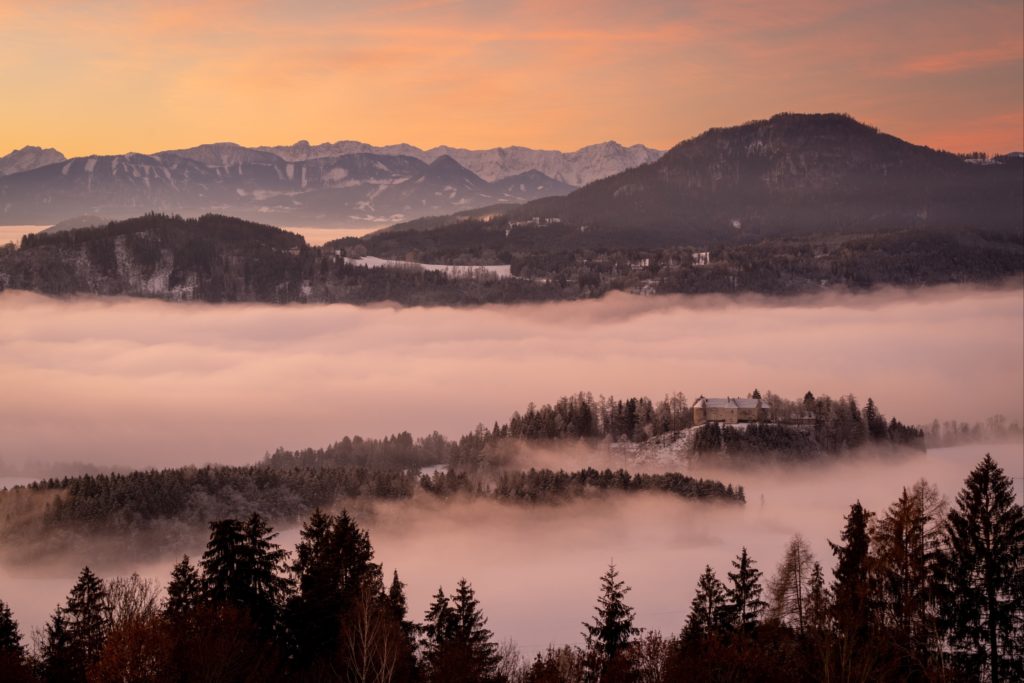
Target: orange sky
column 113, row 76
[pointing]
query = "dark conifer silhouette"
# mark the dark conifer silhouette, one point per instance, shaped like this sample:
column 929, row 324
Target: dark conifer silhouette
column 981, row 576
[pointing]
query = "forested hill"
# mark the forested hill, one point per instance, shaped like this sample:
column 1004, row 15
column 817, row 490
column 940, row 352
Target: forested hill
column 487, row 463
column 222, row 259
column 796, row 174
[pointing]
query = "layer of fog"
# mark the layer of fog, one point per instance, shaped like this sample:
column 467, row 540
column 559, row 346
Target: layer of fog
column 122, row 382
column 536, row 569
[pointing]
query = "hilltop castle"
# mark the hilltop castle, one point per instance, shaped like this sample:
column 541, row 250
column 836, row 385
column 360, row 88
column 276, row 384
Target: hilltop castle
column 729, row 410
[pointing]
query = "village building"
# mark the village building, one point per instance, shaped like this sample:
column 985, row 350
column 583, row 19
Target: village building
column 730, row 410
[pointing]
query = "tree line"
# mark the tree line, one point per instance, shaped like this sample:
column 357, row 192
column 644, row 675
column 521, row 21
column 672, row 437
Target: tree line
column 146, row 501
column 223, row 259
column 922, row 591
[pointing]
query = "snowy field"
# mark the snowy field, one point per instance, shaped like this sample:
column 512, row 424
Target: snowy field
column 451, row 271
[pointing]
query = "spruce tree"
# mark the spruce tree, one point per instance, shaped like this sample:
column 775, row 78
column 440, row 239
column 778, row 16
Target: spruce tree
column 184, row 591
column 334, row 560
column 400, row 607
column 88, row 615
column 818, row 605
column 874, row 421
column 264, row 574
column 223, row 563
column 471, row 635
column 852, row 586
column 76, row 632
column 709, row 611
column 612, row 629
column 980, row 576
column 438, row 622
column 10, row 636
column 59, row 661
column 744, row 594
column 243, row 568
column 854, row 606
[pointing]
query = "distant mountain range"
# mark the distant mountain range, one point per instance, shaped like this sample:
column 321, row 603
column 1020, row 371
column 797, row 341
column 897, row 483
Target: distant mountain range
column 343, row 184
column 790, row 175
column 796, row 174
column 577, row 168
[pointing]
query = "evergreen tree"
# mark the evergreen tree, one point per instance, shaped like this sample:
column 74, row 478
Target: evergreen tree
column 439, row 622
column 59, row 661
column 472, row 637
column 334, row 559
column 611, row 633
column 243, row 568
column 88, row 615
column 264, row 574
column 10, row 636
column 14, row 665
column 400, row 607
column 223, row 563
column 709, row 611
column 184, row 591
column 874, row 421
column 817, row 600
column 76, row 632
column 852, row 585
column 852, row 590
column 809, row 402
column 981, row 576
column 744, row 595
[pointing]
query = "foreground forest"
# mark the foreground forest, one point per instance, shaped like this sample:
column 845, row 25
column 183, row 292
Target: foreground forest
column 222, row 259
column 920, row 591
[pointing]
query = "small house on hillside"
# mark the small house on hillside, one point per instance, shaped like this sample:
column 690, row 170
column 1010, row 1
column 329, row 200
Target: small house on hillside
column 729, row 410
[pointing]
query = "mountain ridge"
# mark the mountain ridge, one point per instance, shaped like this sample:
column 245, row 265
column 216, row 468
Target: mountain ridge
column 797, row 174
column 359, row 189
column 28, row 158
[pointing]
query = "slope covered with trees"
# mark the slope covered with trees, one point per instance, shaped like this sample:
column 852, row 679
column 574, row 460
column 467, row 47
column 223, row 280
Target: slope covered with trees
column 796, row 174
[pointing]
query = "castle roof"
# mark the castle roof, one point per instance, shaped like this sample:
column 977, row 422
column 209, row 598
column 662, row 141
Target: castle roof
column 729, row 402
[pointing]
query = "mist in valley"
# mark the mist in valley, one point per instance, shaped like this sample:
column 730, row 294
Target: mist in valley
column 137, row 383
column 122, row 383
column 536, row 568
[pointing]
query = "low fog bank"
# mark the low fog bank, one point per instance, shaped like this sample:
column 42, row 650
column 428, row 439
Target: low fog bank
column 536, row 568
column 123, row 382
